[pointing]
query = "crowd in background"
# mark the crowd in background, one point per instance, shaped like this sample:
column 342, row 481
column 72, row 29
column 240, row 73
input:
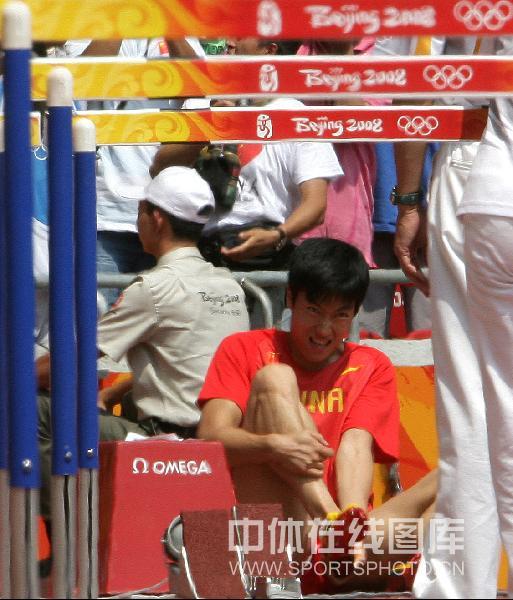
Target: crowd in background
column 280, row 185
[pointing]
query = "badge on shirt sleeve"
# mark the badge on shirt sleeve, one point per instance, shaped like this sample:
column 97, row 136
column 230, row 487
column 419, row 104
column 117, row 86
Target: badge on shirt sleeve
column 118, row 301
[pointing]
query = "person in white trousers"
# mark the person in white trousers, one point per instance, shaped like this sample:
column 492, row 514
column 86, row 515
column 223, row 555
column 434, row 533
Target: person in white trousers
column 486, row 212
column 465, row 494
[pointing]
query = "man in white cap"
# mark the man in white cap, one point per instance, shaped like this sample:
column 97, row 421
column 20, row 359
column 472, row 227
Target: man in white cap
column 169, row 321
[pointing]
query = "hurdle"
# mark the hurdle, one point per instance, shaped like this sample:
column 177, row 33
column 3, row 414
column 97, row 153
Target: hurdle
column 84, row 144
column 72, row 246
column 292, row 19
column 62, row 332
column 234, row 77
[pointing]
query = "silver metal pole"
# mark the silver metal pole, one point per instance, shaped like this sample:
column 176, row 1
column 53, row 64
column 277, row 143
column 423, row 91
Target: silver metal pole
column 5, row 543
column 262, row 278
column 88, row 534
column 262, row 297
column 24, row 508
column 354, row 334
column 64, row 520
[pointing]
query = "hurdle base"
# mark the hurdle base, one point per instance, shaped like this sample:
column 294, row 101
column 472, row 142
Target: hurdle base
column 5, row 546
column 64, row 519
column 88, row 534
column 23, row 510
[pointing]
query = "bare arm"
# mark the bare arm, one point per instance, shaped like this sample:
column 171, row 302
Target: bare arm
column 221, row 420
column 409, row 158
column 103, row 48
column 308, row 214
column 355, row 468
column 311, row 209
column 411, row 236
column 409, row 164
column 112, row 395
column 175, row 155
column 300, row 453
column 177, row 48
column 180, row 49
column 43, row 371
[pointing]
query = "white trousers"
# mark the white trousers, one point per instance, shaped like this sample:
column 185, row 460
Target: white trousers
column 489, row 264
column 465, row 484
column 41, row 260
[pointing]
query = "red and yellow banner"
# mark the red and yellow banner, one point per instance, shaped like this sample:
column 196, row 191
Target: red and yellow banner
column 299, row 77
column 273, row 125
column 117, row 19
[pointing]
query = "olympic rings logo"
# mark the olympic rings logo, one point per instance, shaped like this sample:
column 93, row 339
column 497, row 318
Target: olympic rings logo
column 483, row 14
column 448, row 76
column 417, row 125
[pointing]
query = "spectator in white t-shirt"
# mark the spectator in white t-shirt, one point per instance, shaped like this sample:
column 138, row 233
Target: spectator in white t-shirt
column 281, row 192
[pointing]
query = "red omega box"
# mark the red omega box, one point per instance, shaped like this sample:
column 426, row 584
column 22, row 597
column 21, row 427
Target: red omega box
column 143, row 486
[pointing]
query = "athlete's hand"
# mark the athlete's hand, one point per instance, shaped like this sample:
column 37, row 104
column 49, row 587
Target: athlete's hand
column 254, row 242
column 410, row 244
column 300, row 453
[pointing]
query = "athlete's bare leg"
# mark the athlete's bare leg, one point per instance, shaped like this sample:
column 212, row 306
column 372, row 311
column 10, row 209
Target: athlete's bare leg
column 386, row 521
column 274, row 407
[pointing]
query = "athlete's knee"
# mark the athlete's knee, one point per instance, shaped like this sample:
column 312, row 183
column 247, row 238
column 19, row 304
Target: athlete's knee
column 274, row 379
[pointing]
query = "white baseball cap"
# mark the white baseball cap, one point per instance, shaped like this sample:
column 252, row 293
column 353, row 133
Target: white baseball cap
column 183, row 193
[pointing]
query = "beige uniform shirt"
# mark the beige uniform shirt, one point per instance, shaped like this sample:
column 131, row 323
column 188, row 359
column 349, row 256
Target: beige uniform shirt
column 169, row 322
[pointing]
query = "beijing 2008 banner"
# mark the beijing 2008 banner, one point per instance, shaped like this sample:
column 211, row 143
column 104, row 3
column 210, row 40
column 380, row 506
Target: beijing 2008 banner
column 109, row 19
column 305, row 76
column 272, row 125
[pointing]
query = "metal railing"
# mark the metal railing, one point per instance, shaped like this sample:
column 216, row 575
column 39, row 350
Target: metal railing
column 255, row 284
column 260, row 278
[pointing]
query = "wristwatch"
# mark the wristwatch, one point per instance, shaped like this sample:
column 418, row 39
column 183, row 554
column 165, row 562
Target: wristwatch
column 280, row 244
column 411, row 199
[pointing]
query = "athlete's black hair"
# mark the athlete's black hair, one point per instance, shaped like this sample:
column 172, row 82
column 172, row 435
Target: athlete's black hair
column 324, row 268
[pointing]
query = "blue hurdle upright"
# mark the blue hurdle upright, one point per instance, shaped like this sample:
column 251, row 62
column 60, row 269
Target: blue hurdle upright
column 19, row 294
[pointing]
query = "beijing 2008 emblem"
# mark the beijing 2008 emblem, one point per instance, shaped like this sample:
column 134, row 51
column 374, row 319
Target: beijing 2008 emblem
column 269, row 20
column 264, row 127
